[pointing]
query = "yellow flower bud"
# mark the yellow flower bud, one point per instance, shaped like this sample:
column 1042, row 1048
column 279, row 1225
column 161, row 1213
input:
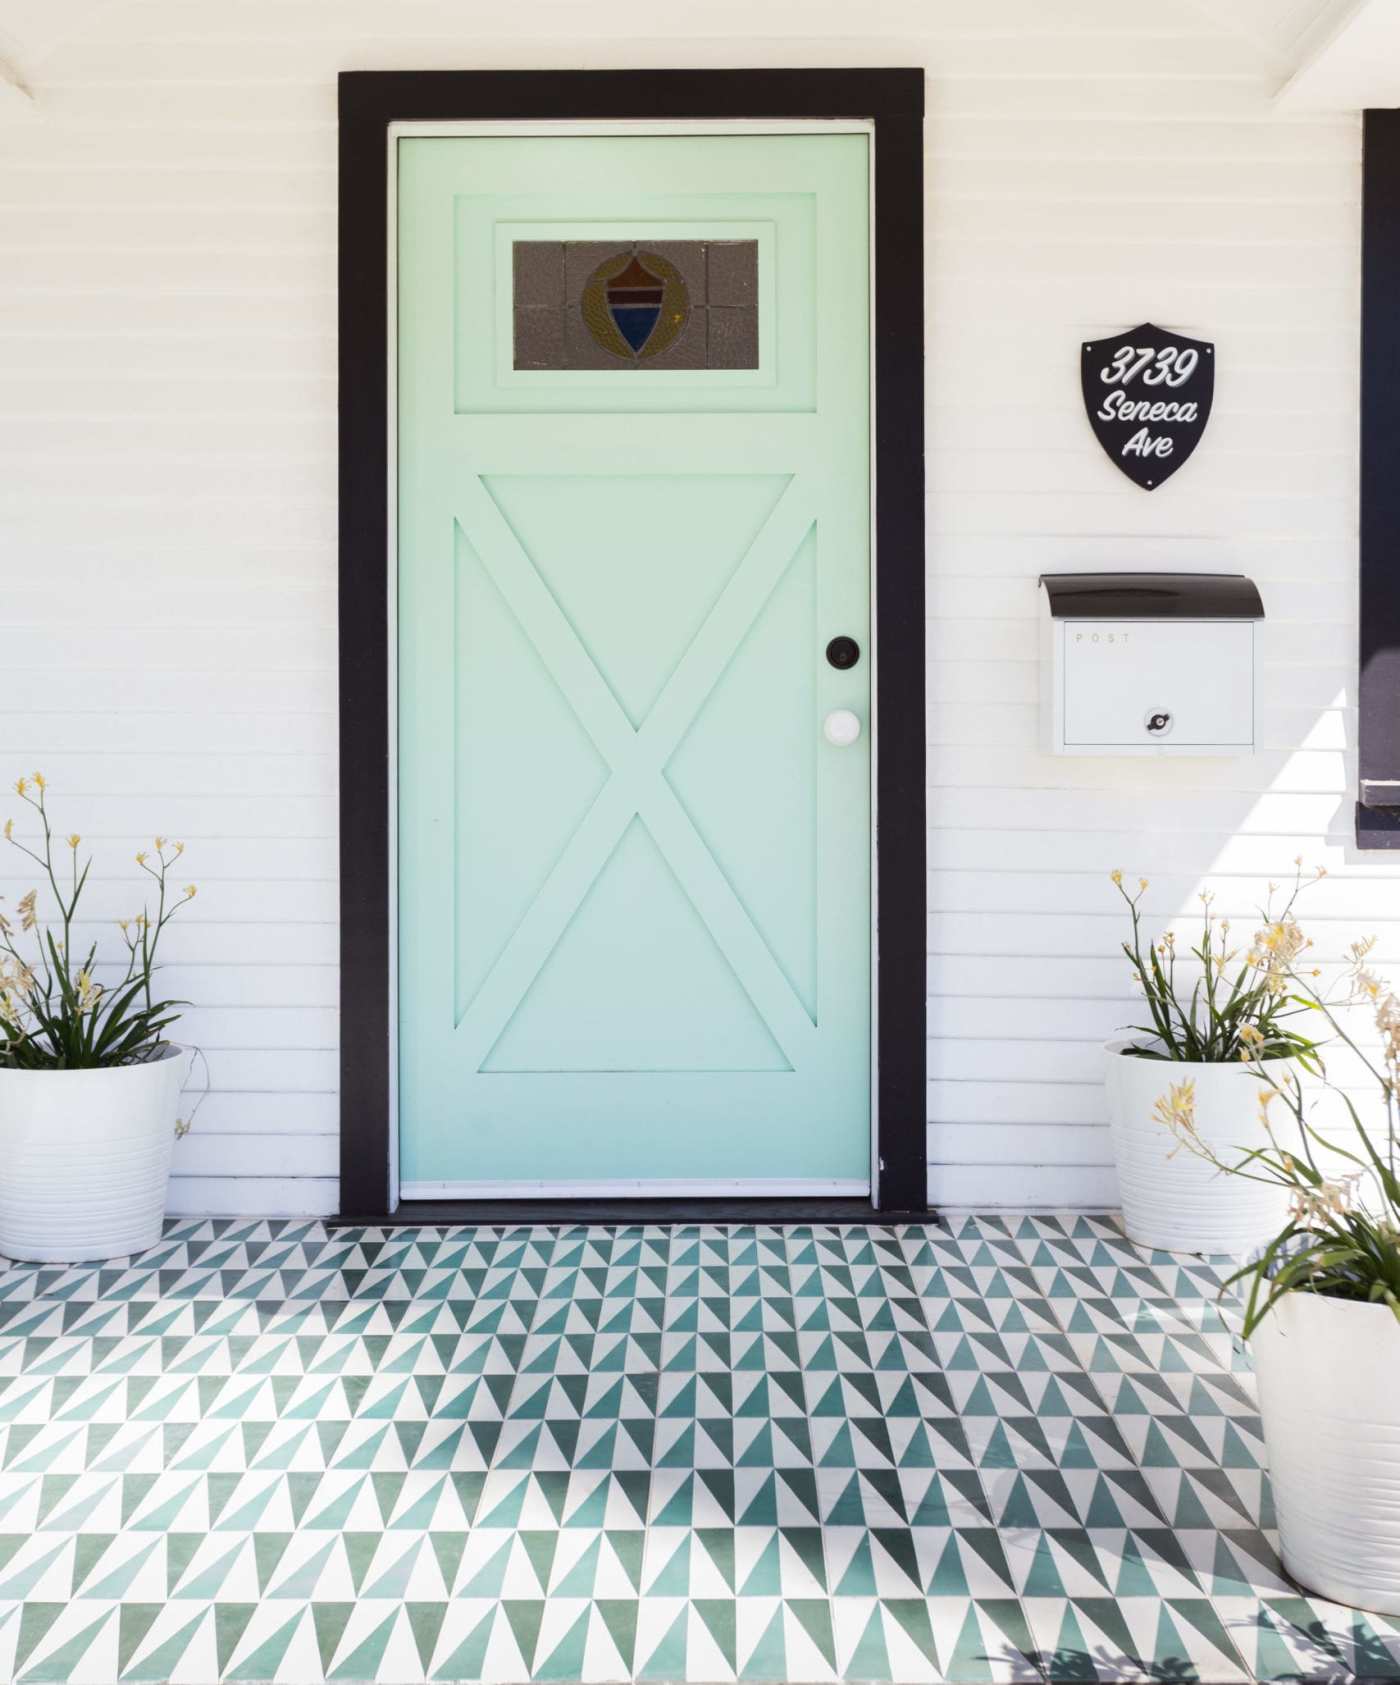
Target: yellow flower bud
column 21, row 785
column 74, row 840
column 1116, row 875
column 9, row 830
column 1142, row 883
column 160, row 842
column 39, row 781
column 141, row 857
column 189, row 891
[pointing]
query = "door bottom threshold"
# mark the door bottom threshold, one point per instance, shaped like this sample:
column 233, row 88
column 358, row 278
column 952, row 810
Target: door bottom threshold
column 644, row 1187
column 769, row 1211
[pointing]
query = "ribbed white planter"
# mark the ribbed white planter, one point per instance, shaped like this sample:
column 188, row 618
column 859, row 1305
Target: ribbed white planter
column 1172, row 1198
column 85, row 1158
column 1329, row 1393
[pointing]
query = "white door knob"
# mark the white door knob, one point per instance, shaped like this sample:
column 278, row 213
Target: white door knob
column 841, row 727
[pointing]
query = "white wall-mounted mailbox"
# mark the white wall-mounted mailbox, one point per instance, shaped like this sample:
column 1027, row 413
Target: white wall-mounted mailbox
column 1148, row 663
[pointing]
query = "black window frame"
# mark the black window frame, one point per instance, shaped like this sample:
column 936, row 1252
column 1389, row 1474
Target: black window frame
column 1378, row 679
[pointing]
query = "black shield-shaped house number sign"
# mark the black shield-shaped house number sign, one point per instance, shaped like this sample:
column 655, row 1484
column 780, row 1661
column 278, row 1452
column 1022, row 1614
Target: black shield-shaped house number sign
column 1148, row 395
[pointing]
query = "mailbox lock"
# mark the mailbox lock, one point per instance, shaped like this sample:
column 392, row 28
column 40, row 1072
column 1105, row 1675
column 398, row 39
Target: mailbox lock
column 1158, row 721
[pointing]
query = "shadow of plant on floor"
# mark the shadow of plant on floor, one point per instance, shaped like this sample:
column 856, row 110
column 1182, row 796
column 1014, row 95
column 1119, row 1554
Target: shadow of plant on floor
column 1291, row 1649
column 1073, row 1664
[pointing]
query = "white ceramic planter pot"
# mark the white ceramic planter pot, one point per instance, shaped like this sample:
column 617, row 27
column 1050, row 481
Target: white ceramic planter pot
column 1172, row 1198
column 85, row 1158
column 1329, row 1393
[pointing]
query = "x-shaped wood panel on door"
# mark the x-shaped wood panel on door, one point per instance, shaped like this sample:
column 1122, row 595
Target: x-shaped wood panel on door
column 636, row 759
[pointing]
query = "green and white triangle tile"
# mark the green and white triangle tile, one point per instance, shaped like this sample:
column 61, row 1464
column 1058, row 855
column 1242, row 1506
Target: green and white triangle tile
column 80, row 1644
column 986, row 1639
column 1370, row 1643
column 970, row 1562
column 181, row 1652
column 1277, row 1649
column 717, row 1638
column 703, row 1453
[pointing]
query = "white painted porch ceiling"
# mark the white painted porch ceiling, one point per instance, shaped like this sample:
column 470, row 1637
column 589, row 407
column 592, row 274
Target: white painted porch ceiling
column 1285, row 31
column 1280, row 31
column 31, row 29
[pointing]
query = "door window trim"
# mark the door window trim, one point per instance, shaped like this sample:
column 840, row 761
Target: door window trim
column 375, row 109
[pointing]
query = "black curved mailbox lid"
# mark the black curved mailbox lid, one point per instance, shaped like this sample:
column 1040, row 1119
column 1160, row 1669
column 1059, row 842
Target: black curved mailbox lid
column 1152, row 596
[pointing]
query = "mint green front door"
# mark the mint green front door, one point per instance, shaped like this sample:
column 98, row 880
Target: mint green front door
column 634, row 875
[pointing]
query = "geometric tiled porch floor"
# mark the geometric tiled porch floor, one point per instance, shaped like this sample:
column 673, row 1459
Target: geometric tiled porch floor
column 1013, row 1449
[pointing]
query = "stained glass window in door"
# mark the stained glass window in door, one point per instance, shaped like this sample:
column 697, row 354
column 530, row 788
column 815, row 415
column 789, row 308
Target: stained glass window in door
column 638, row 305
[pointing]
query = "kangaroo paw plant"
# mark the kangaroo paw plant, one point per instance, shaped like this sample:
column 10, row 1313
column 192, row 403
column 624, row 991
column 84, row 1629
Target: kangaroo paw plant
column 54, row 1013
column 1214, row 1008
column 1322, row 1295
column 89, row 1081
column 1341, row 1239
column 1236, row 1001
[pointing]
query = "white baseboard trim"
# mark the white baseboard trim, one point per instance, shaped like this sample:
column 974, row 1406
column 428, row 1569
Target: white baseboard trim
column 639, row 1188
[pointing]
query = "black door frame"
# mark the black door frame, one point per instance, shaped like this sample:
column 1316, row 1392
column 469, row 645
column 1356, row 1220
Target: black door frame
column 369, row 102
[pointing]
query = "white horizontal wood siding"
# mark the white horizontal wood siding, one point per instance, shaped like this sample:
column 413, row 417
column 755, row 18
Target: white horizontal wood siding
column 168, row 517
column 1063, row 208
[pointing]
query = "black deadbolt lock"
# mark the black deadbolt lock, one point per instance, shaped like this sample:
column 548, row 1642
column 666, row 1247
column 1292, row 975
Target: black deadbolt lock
column 843, row 653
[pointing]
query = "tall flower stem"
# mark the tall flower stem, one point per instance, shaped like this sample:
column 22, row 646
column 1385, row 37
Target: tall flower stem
column 54, row 1013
